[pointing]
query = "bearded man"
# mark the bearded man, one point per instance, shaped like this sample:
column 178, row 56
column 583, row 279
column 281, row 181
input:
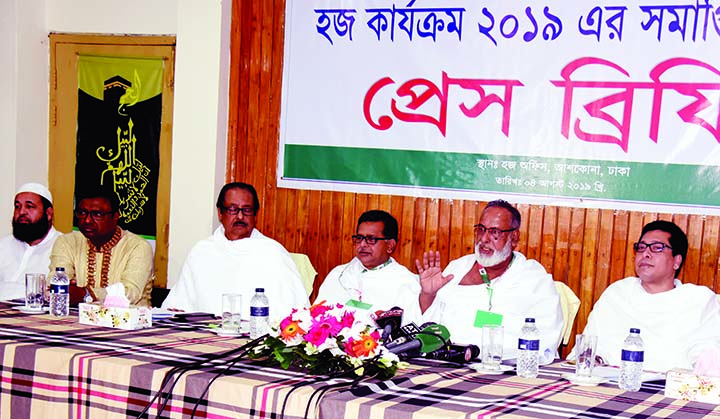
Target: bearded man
column 28, row 248
column 495, row 285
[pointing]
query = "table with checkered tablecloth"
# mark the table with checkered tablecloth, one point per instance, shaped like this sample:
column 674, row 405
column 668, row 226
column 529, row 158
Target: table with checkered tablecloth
column 56, row 368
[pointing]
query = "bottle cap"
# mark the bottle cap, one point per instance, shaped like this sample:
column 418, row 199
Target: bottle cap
column 634, row 330
column 529, row 320
column 59, row 269
column 259, row 289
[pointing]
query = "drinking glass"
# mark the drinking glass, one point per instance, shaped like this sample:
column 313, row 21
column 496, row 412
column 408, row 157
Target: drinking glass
column 585, row 346
column 492, row 346
column 34, row 290
column 231, row 312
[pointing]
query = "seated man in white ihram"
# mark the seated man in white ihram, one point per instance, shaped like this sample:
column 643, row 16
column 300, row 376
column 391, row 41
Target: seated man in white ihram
column 495, row 285
column 237, row 258
column 677, row 321
column 372, row 280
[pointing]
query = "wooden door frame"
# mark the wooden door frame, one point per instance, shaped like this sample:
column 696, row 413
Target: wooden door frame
column 64, row 49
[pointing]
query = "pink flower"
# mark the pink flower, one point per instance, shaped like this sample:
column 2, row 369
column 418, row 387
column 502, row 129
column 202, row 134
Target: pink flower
column 348, row 319
column 319, row 309
column 322, row 328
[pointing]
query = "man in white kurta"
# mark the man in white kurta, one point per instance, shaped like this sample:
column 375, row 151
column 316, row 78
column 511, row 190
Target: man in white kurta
column 216, row 266
column 28, row 249
column 494, row 285
column 384, row 287
column 675, row 325
column 524, row 290
column 373, row 279
column 237, row 258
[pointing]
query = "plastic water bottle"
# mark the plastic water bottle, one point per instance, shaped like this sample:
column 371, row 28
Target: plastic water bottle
column 59, row 293
column 631, row 366
column 259, row 314
column 528, row 350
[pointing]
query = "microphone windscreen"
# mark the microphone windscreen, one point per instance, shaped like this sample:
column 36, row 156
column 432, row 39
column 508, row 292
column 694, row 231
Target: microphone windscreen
column 433, row 337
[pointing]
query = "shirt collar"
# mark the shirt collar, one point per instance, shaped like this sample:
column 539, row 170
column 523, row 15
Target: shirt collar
column 377, row 268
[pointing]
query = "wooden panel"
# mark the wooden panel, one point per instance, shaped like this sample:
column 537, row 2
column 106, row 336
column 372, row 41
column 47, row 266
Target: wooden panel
column 586, row 248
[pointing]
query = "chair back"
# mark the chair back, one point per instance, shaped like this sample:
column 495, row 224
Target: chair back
column 306, row 269
column 570, row 305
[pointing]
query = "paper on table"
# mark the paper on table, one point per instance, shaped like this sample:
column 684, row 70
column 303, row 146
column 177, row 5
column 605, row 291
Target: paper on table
column 613, row 373
column 161, row 313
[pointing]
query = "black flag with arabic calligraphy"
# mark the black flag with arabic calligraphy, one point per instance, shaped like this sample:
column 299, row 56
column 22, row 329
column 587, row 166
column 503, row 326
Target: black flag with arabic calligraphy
column 118, row 135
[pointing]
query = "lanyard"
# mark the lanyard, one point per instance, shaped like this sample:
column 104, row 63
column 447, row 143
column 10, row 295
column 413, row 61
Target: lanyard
column 486, row 280
column 358, row 291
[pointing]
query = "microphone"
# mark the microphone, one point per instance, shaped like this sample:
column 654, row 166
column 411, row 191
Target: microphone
column 404, row 334
column 429, row 339
column 459, row 354
column 389, row 321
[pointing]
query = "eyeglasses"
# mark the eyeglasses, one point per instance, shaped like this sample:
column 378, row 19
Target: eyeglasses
column 655, row 247
column 495, row 233
column 371, row 240
column 247, row 211
column 81, row 214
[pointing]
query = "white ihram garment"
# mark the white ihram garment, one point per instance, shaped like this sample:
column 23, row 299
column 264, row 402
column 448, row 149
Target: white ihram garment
column 524, row 290
column 216, row 266
column 675, row 325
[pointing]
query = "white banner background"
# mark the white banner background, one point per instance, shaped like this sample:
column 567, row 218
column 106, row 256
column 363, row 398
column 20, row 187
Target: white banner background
column 325, row 85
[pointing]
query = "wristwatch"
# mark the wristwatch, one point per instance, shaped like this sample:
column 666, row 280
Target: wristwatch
column 88, row 297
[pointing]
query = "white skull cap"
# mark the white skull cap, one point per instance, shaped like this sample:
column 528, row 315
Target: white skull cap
column 36, row 188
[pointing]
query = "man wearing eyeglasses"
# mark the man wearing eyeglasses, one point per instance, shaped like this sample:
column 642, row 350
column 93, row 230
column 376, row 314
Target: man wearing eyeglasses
column 372, row 280
column 102, row 253
column 677, row 321
column 495, row 285
column 237, row 258
column 28, row 248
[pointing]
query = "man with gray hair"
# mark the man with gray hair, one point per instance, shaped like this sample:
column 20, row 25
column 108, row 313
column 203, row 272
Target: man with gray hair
column 28, row 248
column 495, row 285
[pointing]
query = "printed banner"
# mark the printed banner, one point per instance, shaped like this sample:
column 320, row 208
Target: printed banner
column 610, row 104
column 118, row 134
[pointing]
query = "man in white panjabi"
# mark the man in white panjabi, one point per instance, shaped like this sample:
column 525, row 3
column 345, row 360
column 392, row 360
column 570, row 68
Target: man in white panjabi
column 27, row 249
column 372, row 279
column 677, row 321
column 237, row 258
column 495, row 285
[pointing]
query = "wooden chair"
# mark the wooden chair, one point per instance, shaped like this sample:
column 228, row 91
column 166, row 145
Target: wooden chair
column 306, row 269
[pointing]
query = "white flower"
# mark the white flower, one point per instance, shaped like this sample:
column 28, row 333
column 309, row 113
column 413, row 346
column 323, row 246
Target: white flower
column 311, row 349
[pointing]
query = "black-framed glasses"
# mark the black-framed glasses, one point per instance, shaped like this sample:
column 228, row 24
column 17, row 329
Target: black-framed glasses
column 495, row 233
column 247, row 211
column 81, row 214
column 655, row 247
column 371, row 240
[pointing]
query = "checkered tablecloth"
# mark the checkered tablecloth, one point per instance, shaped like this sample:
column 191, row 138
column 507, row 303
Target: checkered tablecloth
column 56, row 368
column 450, row 392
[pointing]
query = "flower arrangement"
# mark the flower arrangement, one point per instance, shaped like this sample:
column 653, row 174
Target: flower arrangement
column 328, row 339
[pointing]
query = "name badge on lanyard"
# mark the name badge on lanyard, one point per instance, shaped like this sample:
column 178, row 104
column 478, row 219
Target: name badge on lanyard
column 358, row 305
column 483, row 318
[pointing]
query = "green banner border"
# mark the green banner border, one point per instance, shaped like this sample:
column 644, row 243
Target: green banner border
column 677, row 184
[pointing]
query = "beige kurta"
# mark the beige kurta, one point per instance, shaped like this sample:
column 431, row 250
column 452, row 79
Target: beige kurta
column 131, row 264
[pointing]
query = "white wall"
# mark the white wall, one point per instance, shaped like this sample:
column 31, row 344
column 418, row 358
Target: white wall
column 202, row 28
column 8, row 110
